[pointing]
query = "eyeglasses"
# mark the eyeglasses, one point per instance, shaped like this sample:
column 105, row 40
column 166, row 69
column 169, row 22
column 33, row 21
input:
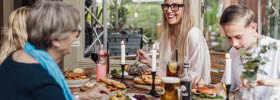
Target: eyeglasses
column 174, row 7
column 78, row 30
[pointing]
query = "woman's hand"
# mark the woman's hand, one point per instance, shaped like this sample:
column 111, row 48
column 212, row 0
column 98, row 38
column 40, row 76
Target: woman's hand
column 95, row 92
column 144, row 58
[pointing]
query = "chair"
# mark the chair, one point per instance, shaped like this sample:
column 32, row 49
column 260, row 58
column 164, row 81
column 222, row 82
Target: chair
column 216, row 72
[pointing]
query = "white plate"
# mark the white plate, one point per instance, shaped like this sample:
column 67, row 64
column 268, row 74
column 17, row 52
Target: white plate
column 74, row 86
column 77, row 83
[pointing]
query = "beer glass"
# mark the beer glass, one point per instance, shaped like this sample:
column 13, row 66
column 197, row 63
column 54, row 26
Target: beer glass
column 170, row 87
column 172, row 69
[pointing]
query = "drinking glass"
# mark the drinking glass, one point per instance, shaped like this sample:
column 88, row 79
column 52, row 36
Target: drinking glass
column 172, row 69
column 94, row 53
column 170, row 88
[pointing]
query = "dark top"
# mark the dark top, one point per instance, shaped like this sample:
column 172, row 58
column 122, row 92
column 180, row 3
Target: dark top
column 21, row 81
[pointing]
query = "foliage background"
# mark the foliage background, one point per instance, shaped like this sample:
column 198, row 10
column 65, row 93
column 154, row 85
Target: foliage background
column 149, row 14
column 272, row 27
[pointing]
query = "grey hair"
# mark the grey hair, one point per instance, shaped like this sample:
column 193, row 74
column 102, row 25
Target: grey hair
column 48, row 21
column 43, row 1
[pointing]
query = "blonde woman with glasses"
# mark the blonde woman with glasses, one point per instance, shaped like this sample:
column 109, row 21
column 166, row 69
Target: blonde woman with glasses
column 179, row 32
column 15, row 35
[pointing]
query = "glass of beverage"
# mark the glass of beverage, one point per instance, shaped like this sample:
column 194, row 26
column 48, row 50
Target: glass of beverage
column 94, row 53
column 170, row 87
column 172, row 69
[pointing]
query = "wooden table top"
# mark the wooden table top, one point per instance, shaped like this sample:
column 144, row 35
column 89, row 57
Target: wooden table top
column 131, row 89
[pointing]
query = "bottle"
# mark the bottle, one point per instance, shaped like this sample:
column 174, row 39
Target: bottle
column 108, row 58
column 107, row 55
column 186, row 83
column 101, row 64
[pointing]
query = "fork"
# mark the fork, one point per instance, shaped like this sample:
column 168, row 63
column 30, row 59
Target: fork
column 136, row 59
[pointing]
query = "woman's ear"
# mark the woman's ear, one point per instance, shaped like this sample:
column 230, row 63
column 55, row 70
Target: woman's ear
column 55, row 43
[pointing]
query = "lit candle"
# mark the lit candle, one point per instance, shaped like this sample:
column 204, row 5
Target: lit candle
column 228, row 69
column 154, row 58
column 122, row 52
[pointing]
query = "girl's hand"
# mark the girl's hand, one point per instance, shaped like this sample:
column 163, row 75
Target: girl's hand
column 144, row 58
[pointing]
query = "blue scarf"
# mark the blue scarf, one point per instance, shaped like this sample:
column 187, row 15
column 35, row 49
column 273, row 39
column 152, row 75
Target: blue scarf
column 50, row 66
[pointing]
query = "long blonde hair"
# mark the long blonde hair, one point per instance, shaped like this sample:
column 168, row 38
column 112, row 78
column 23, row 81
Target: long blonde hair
column 15, row 34
column 187, row 23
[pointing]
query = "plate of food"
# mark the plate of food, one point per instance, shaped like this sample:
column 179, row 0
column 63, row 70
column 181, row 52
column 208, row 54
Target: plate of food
column 117, row 73
column 136, row 69
column 120, row 95
column 130, row 72
column 208, row 92
column 145, row 82
column 112, row 85
column 117, row 95
column 76, row 77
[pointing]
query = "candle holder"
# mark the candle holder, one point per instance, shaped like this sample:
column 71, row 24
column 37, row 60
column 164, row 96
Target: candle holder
column 153, row 91
column 122, row 81
column 228, row 89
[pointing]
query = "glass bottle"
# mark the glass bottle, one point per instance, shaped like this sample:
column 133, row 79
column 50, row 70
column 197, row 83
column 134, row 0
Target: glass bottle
column 186, row 83
column 101, row 64
column 107, row 62
column 108, row 59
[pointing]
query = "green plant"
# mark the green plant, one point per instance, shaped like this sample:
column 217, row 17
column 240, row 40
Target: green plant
column 210, row 16
column 121, row 18
column 149, row 14
column 253, row 63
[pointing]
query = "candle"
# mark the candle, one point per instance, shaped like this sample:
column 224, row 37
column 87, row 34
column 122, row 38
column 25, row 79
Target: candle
column 154, row 58
column 228, row 69
column 122, row 52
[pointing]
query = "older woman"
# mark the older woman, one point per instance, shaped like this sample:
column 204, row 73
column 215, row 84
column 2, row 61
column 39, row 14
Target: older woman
column 32, row 72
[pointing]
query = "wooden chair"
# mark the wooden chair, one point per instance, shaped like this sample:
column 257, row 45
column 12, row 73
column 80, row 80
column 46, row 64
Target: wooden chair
column 216, row 72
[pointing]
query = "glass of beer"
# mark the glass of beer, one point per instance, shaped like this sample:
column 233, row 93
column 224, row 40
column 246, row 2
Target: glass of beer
column 170, row 87
column 172, row 69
